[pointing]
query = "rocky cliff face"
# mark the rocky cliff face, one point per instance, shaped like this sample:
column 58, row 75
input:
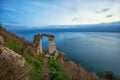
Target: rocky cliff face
column 75, row 71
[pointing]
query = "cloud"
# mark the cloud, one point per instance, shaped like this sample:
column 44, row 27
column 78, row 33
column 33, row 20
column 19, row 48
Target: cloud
column 8, row 9
column 110, row 15
column 103, row 10
column 42, row 3
column 10, row 15
column 12, row 23
column 59, row 12
column 76, row 19
column 115, row 1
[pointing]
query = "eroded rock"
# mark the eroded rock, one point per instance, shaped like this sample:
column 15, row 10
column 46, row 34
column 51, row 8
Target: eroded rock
column 10, row 55
column 11, row 65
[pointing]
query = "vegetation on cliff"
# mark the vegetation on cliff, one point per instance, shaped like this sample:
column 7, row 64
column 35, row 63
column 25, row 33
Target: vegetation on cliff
column 57, row 70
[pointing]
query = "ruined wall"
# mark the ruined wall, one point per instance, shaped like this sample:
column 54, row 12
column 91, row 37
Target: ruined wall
column 38, row 43
column 52, row 46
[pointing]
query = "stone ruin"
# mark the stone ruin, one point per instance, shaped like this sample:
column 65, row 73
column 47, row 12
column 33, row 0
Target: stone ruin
column 52, row 46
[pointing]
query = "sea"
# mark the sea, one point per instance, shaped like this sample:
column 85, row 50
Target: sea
column 95, row 51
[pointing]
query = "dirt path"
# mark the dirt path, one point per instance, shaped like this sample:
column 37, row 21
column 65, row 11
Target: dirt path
column 45, row 70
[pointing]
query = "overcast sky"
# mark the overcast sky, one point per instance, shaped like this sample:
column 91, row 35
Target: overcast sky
column 39, row 13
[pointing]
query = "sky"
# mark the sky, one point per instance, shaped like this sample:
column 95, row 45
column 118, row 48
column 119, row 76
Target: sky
column 39, row 13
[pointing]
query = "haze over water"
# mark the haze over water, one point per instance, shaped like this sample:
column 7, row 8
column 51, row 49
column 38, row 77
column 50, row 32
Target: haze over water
column 95, row 51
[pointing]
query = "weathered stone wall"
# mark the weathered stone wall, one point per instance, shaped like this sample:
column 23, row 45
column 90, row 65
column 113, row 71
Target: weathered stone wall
column 38, row 43
column 52, row 46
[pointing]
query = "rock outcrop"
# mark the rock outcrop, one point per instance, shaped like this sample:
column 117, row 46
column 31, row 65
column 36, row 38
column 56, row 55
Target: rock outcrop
column 8, row 54
column 11, row 65
column 77, row 72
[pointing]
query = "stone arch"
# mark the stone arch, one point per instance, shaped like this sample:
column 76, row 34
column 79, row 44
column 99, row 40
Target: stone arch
column 38, row 43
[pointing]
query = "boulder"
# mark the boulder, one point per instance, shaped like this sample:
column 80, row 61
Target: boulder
column 11, row 65
column 9, row 55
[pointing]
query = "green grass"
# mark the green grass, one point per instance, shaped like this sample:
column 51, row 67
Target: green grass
column 36, row 71
column 17, row 47
column 57, row 70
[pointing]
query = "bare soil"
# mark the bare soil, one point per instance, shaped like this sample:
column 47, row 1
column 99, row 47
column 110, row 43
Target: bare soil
column 45, row 70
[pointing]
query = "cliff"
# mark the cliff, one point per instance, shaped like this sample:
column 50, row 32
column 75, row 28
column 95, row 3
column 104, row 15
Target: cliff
column 19, row 61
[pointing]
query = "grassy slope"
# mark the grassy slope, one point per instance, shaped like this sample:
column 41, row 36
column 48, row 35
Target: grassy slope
column 34, row 65
column 18, row 45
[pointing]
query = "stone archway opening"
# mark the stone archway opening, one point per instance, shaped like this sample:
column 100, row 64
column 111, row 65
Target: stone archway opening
column 45, row 43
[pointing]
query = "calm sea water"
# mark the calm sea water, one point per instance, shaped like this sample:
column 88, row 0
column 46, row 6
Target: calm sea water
column 94, row 51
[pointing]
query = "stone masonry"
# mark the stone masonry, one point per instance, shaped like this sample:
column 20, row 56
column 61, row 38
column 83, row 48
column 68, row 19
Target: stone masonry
column 52, row 45
column 38, row 43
